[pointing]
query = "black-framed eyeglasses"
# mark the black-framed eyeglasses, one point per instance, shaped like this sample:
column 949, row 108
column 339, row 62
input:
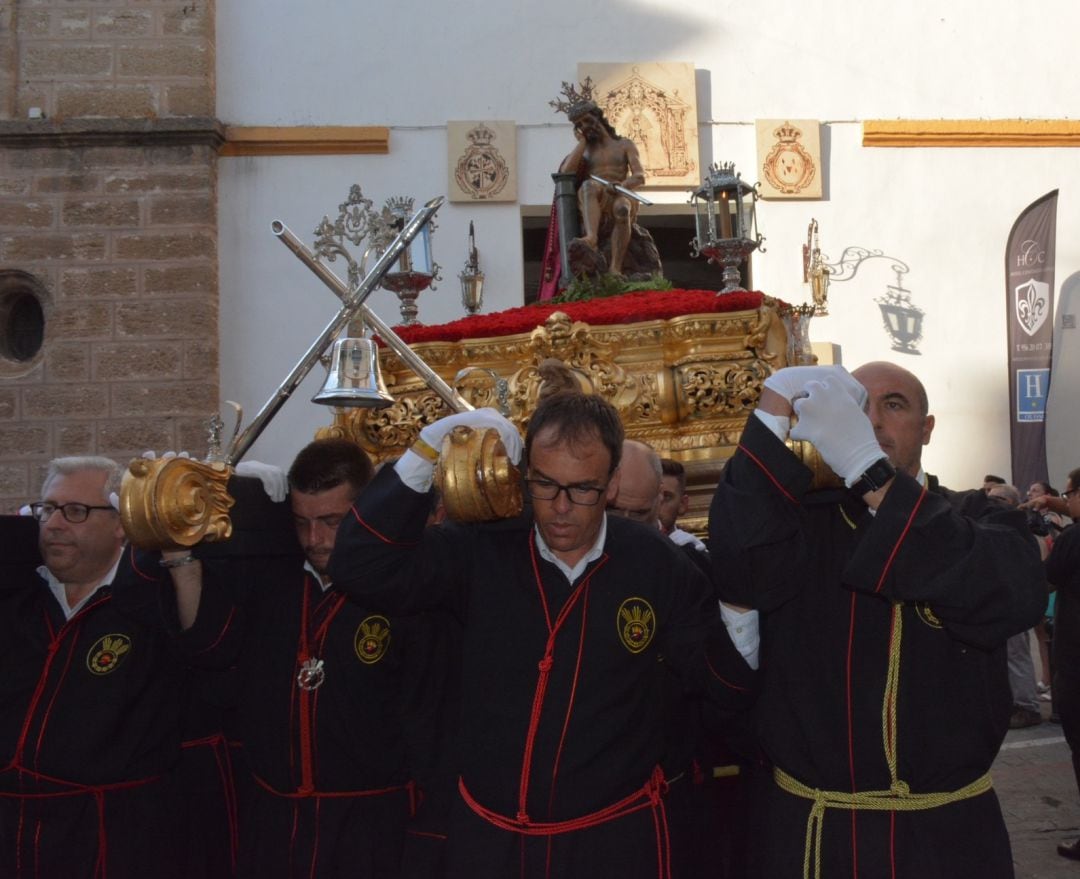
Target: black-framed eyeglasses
column 74, row 513
column 547, row 490
column 1068, row 493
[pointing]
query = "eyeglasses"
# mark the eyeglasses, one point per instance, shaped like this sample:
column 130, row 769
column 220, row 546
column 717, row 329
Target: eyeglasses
column 74, row 513
column 546, row 490
column 1068, row 493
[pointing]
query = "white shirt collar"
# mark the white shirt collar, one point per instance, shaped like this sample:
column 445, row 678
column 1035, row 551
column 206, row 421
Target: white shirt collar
column 58, row 591
column 680, row 538
column 318, row 579
column 573, row 573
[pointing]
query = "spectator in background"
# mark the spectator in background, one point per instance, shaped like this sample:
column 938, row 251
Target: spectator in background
column 1063, row 574
column 1022, row 681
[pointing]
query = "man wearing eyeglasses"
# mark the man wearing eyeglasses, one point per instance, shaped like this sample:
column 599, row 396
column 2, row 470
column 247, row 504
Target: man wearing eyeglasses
column 89, row 711
column 572, row 618
column 80, row 532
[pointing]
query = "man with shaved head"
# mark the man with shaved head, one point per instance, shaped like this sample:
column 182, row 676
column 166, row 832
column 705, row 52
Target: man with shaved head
column 879, row 592
column 638, row 497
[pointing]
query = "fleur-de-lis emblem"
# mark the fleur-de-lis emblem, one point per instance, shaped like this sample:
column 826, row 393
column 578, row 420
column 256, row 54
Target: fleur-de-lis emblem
column 636, row 624
column 1032, row 305
column 372, row 639
column 105, row 654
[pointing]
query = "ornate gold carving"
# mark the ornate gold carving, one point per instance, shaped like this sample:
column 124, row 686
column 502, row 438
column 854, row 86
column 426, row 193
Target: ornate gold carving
column 476, row 478
column 171, row 503
column 730, row 389
column 684, row 385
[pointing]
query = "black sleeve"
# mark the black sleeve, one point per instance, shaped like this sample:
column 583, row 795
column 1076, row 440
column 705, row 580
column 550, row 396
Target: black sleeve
column 697, row 643
column 980, row 573
column 387, row 558
column 1063, row 563
column 757, row 542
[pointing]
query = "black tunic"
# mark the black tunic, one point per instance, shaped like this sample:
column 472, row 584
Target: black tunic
column 1063, row 573
column 563, row 684
column 89, row 731
column 825, row 573
column 332, row 771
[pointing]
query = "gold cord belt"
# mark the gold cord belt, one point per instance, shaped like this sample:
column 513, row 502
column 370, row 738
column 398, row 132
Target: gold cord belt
column 898, row 799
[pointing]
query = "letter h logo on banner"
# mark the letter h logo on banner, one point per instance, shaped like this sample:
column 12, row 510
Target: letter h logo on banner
column 1032, row 387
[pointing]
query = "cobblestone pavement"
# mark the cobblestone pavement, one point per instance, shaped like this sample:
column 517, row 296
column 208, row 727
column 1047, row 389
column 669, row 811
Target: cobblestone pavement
column 1034, row 780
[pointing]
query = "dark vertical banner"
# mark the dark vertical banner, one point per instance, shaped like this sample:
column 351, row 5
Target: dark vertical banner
column 1029, row 293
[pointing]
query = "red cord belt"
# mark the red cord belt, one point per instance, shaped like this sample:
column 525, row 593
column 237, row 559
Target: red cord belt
column 650, row 796
column 97, row 791
column 409, row 787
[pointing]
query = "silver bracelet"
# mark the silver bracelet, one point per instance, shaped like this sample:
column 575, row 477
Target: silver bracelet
column 177, row 563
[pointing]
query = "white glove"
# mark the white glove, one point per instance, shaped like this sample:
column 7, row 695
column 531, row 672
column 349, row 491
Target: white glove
column 839, row 429
column 275, row 481
column 417, row 466
column 791, row 382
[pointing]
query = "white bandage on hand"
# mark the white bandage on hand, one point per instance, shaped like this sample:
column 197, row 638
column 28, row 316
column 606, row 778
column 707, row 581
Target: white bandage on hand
column 416, row 468
column 838, row 428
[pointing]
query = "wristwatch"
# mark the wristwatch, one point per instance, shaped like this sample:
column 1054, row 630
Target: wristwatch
column 874, row 477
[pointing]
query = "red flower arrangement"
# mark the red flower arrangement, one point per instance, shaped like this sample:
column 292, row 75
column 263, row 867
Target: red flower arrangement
column 628, row 308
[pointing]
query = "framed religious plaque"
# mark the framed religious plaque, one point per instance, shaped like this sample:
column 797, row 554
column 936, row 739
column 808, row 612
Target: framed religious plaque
column 482, row 161
column 789, row 158
column 655, row 105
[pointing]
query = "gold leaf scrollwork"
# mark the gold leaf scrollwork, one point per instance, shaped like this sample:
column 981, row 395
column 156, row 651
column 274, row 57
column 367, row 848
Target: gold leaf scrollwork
column 730, row 389
column 170, row 503
column 395, row 427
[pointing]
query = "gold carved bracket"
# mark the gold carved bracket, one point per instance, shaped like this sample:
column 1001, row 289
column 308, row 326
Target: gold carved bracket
column 172, row 503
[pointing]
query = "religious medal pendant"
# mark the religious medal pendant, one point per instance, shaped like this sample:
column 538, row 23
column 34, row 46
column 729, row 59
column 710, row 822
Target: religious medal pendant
column 311, row 675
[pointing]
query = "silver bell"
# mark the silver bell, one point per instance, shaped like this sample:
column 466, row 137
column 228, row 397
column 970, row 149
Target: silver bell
column 354, row 378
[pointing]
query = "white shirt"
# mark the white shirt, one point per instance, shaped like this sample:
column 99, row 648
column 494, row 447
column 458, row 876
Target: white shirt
column 318, row 577
column 58, row 590
column 573, row 573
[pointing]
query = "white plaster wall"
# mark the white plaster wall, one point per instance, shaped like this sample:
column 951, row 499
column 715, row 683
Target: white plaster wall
column 413, row 66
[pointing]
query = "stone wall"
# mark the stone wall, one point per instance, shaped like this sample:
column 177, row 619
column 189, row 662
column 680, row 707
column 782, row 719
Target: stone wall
column 108, row 204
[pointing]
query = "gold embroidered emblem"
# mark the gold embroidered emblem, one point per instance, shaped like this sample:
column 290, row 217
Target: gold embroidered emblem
column 926, row 615
column 106, row 653
column 636, row 624
column 372, row 639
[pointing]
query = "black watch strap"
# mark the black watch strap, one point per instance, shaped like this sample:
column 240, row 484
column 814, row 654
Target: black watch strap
column 874, row 477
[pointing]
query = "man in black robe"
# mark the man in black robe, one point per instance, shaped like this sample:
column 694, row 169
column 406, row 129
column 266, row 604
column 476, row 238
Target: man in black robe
column 571, row 619
column 338, row 712
column 885, row 606
column 89, row 712
column 1063, row 575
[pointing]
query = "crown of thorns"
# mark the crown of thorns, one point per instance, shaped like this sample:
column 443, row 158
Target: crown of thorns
column 576, row 103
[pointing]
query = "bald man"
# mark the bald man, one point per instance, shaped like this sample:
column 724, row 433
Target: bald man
column 638, row 497
column 878, row 597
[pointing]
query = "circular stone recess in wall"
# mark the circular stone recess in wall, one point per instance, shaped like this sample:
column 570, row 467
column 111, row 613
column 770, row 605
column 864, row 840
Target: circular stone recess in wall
column 22, row 321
